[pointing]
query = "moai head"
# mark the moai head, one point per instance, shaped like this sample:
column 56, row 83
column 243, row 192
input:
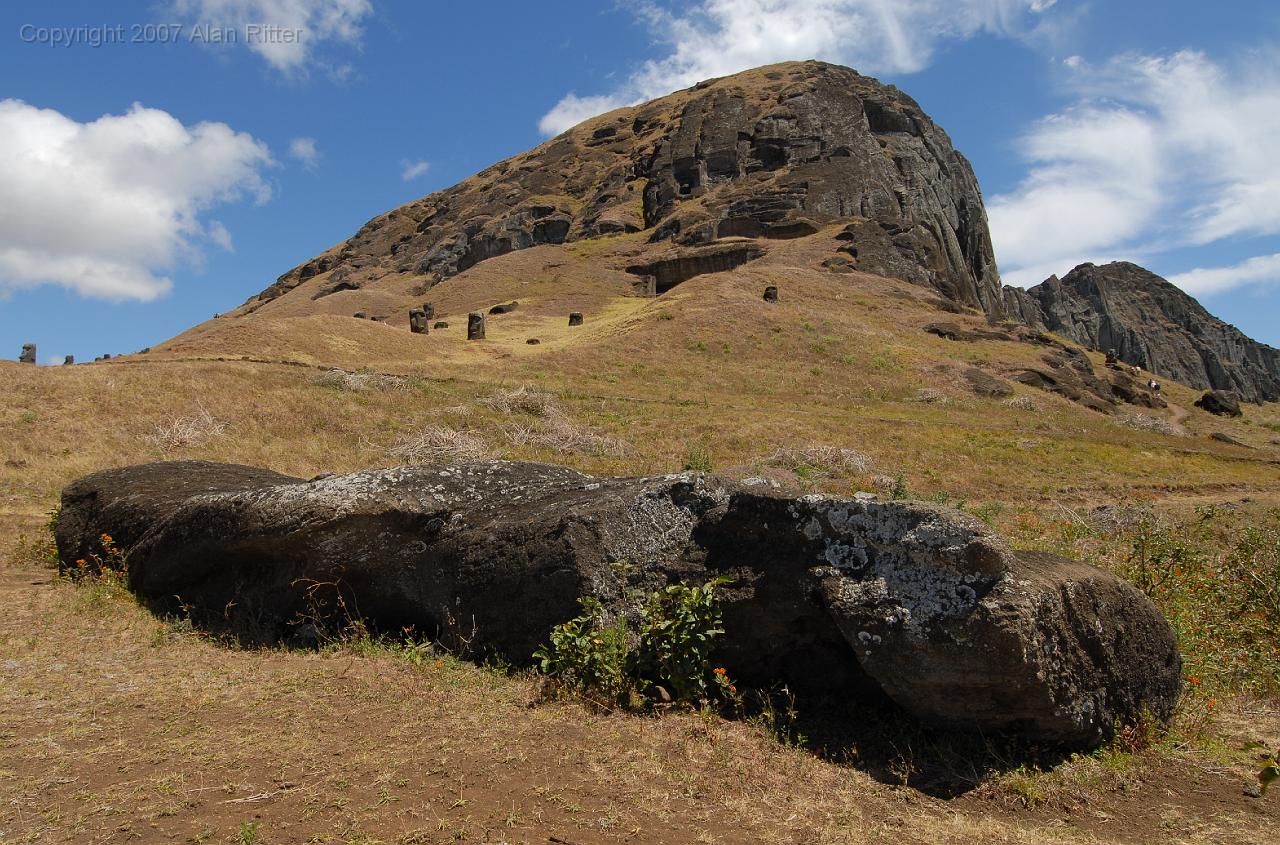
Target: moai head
column 475, row 325
column 575, row 318
column 70, row 359
column 771, row 293
column 429, row 309
column 28, row 355
column 417, row 321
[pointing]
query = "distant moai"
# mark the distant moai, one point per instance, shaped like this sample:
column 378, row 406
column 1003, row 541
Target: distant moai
column 440, row 324
column 418, row 321
column 533, row 341
column 575, row 318
column 429, row 310
column 361, row 315
column 475, row 325
column 771, row 293
column 69, row 360
column 28, row 355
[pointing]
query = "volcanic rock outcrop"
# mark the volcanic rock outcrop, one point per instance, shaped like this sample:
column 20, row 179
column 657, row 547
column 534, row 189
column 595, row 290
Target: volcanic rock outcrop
column 771, row 153
column 1152, row 324
column 826, row 593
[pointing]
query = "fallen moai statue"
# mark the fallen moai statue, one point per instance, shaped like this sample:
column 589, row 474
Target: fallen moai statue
column 827, row 593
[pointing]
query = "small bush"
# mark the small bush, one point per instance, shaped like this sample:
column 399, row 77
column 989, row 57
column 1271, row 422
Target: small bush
column 439, row 444
column 698, row 459
column 666, row 655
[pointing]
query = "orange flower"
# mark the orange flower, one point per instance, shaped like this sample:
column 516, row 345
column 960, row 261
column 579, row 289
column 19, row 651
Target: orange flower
column 732, row 688
column 1194, row 681
column 720, row 670
column 1211, row 703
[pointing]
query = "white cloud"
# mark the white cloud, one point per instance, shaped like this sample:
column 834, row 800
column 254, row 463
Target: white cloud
column 315, row 21
column 1264, row 269
column 1157, row 152
column 109, row 206
column 411, row 170
column 305, row 151
column 722, row 37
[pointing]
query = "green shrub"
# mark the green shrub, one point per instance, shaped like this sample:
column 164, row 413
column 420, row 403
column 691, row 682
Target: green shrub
column 666, row 654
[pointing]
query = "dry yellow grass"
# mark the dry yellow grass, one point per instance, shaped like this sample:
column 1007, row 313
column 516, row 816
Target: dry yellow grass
column 115, row 729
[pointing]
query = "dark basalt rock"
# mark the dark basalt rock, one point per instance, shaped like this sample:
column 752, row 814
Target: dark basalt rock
column 1227, row 438
column 778, row 152
column 827, row 594
column 984, row 384
column 505, row 308
column 685, row 264
column 1223, row 403
column 1152, row 324
column 440, row 324
column 475, row 325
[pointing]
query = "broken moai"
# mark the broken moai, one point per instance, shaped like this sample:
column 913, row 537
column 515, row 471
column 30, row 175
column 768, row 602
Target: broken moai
column 475, row 325
column 575, row 318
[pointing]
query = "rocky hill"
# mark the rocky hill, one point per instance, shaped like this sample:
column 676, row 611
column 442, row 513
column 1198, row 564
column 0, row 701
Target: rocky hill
column 1152, row 324
column 773, row 153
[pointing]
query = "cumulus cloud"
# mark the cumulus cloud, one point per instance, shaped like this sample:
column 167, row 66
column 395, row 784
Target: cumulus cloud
column 1264, row 269
column 317, row 21
column 721, row 37
column 305, row 151
column 411, row 170
column 1156, row 152
column 108, row 207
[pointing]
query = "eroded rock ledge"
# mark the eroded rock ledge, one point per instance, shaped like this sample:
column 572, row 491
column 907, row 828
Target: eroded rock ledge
column 827, row 593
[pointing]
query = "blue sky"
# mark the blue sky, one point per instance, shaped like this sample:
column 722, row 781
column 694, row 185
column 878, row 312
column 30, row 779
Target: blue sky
column 147, row 184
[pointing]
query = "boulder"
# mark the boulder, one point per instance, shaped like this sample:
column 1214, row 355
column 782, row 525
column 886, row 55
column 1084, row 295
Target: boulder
column 827, row 594
column 504, row 308
column 984, row 384
column 440, row 324
column 1223, row 403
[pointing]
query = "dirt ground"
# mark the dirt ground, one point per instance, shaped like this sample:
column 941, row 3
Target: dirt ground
column 118, row 727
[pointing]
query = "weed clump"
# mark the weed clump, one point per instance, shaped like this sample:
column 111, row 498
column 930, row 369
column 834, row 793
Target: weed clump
column 663, row 656
column 439, row 444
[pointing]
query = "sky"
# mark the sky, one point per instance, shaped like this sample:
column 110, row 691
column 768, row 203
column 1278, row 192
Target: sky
column 163, row 161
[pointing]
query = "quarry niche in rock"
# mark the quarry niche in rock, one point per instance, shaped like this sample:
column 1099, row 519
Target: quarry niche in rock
column 829, row 596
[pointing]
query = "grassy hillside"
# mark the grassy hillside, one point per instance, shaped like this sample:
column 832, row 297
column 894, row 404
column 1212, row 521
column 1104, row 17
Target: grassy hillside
column 122, row 726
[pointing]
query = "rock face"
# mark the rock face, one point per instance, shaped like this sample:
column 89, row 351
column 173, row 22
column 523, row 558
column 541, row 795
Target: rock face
column 922, row 603
column 1152, row 324
column 771, row 153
